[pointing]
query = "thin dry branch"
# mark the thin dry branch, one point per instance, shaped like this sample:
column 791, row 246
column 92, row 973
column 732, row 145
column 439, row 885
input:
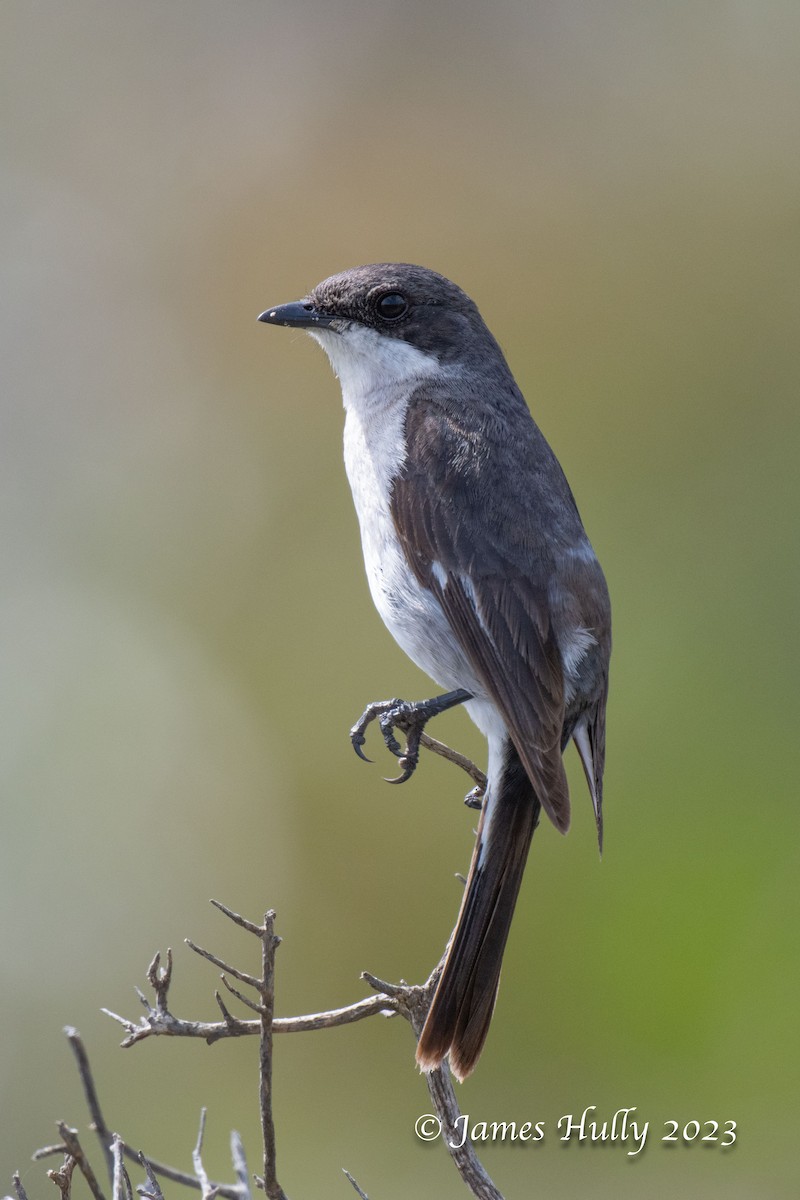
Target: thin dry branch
column 153, row 1189
column 92, row 1099
column 74, row 1148
column 239, row 1161
column 356, row 1188
column 410, row 1001
column 207, row 1188
column 407, row 1000
column 167, row 1025
column 459, row 760
column 414, row 1004
column 121, row 1181
column 70, row 1145
column 63, row 1177
column 19, row 1190
column 266, row 989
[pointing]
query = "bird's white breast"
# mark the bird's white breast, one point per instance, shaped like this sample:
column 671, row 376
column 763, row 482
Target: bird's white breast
column 378, row 375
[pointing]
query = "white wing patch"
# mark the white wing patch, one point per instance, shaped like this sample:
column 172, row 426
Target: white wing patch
column 574, row 648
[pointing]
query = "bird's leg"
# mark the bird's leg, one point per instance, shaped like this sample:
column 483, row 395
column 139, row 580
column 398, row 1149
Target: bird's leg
column 410, row 717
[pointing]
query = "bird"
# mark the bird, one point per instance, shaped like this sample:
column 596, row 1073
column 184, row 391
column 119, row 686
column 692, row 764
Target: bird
column 479, row 565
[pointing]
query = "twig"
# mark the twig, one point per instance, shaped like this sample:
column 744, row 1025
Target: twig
column 453, row 756
column 246, row 1001
column 269, row 944
column 19, row 1190
column 228, row 1190
column 73, row 1147
column 407, row 1000
column 164, row 1024
column 63, row 1178
column 461, row 1149
column 90, row 1092
column 240, row 1165
column 414, row 1004
column 208, row 1189
column 347, row 1174
column 238, row 919
column 242, row 975
column 153, row 1189
column 122, row 1182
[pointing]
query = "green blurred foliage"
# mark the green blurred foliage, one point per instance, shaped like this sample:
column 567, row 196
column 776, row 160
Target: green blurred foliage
column 187, row 633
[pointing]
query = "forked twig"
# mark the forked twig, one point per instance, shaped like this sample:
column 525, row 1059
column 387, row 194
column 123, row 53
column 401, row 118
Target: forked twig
column 409, row 1001
column 70, row 1145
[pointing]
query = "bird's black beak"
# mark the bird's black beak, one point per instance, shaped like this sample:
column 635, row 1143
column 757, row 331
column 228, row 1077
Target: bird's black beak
column 300, row 314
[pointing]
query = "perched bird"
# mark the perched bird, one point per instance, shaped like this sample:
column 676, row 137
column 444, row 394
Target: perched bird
column 479, row 565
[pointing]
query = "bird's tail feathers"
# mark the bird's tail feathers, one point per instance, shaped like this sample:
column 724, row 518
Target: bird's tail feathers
column 461, row 1012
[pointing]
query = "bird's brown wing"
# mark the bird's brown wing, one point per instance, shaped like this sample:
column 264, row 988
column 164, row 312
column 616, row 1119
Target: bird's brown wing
column 496, row 604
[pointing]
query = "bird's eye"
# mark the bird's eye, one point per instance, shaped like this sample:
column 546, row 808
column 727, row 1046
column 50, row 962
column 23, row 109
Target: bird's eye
column 392, row 305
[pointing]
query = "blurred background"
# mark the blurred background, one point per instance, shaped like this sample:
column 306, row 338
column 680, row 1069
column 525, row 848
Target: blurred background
column 186, row 629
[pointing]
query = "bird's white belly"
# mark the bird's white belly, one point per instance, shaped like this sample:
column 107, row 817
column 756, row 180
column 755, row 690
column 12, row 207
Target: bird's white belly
column 374, row 453
column 410, row 612
column 417, row 623
column 412, row 615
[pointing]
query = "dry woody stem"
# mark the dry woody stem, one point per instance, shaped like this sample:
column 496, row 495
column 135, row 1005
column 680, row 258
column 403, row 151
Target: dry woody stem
column 388, row 999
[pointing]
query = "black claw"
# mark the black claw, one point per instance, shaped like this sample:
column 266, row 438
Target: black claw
column 358, row 732
column 407, row 772
column 357, row 740
column 411, row 719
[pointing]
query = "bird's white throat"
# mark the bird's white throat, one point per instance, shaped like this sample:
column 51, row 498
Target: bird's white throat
column 377, row 376
column 370, row 365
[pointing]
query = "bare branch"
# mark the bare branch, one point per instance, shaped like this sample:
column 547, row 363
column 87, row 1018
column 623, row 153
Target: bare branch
column 75, row 1151
column 246, row 1001
column 71, row 1145
column 19, row 1190
column 347, row 1175
column 228, row 1190
column 160, row 978
column 122, row 1182
column 250, row 926
column 218, row 962
column 381, row 1005
column 153, row 1189
column 409, row 1001
column 453, row 756
column 63, row 1178
column 240, row 1165
column 166, row 1025
column 415, row 1002
column 266, row 988
column 461, row 1150
column 90, row 1093
column 208, row 1189
column 395, row 991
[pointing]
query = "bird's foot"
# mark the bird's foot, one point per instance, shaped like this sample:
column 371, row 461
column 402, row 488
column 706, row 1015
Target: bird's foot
column 410, row 717
column 474, row 797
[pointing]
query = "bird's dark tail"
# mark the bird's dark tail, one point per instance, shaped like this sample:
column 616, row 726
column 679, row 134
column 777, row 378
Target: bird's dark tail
column 459, row 1017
